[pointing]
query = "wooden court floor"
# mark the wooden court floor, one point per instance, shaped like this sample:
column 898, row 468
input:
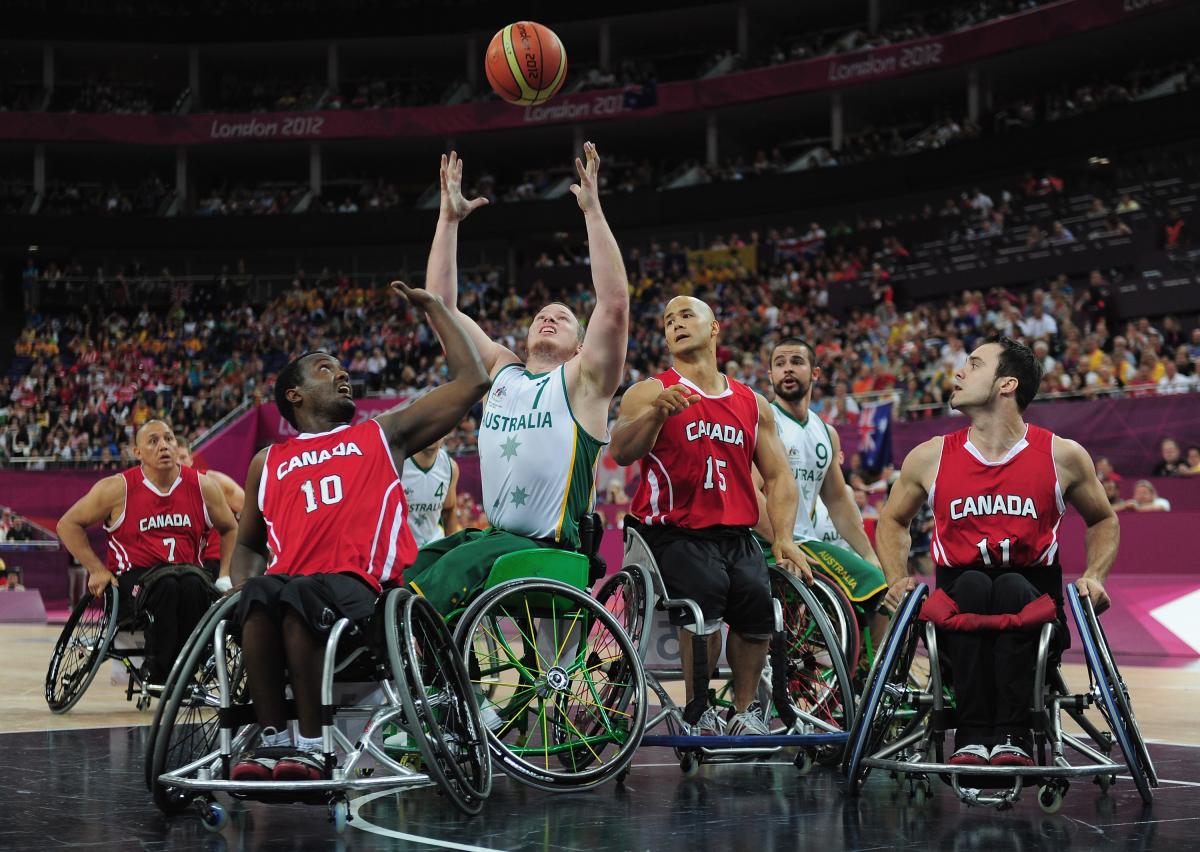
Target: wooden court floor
column 1165, row 699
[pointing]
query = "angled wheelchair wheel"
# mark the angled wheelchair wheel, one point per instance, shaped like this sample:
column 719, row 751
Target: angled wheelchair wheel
column 841, row 616
column 81, row 649
column 811, row 683
column 570, row 704
column 884, row 704
column 626, row 595
column 1114, row 702
column 186, row 724
column 440, row 712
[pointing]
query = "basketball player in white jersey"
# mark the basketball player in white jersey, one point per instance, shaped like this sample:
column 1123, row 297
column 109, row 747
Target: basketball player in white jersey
column 430, row 480
column 546, row 419
column 813, row 449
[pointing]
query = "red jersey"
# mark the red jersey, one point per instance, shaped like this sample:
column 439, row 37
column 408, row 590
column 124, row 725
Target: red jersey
column 158, row 526
column 697, row 474
column 332, row 502
column 996, row 515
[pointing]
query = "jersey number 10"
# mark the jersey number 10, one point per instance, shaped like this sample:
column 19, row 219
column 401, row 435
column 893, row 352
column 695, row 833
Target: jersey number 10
column 330, row 488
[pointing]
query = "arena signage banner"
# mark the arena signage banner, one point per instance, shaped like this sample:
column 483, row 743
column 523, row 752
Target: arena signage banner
column 1032, row 27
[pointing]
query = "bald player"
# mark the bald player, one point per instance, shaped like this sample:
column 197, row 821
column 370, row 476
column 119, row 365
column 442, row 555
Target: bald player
column 698, row 435
column 157, row 515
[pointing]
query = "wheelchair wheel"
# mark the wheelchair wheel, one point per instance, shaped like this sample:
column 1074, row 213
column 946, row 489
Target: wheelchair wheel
column 571, row 695
column 440, row 712
column 841, row 616
column 883, row 703
column 811, row 682
column 626, row 595
column 81, row 649
column 1114, row 701
column 187, row 722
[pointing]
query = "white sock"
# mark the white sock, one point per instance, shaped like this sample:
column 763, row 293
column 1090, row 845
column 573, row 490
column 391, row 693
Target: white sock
column 272, row 738
column 313, row 744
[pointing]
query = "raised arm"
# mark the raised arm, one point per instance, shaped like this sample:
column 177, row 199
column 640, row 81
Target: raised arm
column 602, row 360
column 892, row 540
column 96, row 506
column 440, row 410
column 441, row 273
column 1082, row 489
column 250, row 551
column 222, row 519
column 783, row 497
column 644, row 409
column 847, row 520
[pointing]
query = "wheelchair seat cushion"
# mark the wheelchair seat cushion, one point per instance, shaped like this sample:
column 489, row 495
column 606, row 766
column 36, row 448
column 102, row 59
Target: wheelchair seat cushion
column 940, row 609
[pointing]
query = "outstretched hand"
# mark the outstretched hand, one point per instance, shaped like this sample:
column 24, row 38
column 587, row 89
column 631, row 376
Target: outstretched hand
column 587, row 191
column 455, row 207
column 418, row 298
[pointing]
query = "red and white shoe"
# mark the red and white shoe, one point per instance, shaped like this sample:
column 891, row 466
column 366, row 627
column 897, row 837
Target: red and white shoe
column 1010, row 754
column 253, row 767
column 970, row 755
column 302, row 766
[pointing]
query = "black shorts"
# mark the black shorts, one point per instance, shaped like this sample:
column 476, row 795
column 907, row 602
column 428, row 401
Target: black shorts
column 722, row 570
column 213, row 567
column 320, row 599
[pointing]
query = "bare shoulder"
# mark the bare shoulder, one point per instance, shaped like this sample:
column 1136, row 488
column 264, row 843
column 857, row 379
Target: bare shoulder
column 1070, row 458
column 642, row 392
column 920, row 465
column 765, row 415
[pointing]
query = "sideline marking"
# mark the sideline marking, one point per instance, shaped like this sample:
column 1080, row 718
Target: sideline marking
column 363, row 824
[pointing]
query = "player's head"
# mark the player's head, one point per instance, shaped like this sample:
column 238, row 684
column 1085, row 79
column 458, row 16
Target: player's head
column 183, row 451
column 690, row 326
column 154, row 446
column 555, row 334
column 793, row 369
column 315, row 390
column 1000, row 372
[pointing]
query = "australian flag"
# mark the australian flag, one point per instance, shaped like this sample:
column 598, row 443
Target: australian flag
column 875, row 434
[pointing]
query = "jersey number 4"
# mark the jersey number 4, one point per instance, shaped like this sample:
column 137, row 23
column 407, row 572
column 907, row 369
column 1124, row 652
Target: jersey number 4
column 330, row 492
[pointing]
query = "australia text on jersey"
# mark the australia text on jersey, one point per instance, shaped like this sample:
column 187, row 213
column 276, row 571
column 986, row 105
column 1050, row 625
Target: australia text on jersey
column 508, row 423
column 311, row 457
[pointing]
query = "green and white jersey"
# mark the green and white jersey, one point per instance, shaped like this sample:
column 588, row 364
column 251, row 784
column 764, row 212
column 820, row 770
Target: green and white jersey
column 809, row 452
column 823, row 527
column 537, row 463
column 425, row 492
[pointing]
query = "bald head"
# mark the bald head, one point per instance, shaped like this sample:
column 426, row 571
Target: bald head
column 154, row 446
column 691, row 328
column 150, row 428
column 699, row 306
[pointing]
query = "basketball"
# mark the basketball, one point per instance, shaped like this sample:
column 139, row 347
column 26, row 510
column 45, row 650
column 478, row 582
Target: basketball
column 526, row 63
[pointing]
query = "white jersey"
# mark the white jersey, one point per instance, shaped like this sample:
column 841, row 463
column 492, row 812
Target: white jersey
column 823, row 528
column 809, row 451
column 538, row 465
column 425, row 491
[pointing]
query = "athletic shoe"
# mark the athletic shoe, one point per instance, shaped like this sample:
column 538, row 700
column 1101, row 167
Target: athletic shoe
column 254, row 766
column 1010, row 754
column 709, row 724
column 749, row 723
column 970, row 755
column 300, row 766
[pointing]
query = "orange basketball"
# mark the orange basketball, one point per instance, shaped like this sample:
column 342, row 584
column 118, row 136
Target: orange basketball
column 526, row 63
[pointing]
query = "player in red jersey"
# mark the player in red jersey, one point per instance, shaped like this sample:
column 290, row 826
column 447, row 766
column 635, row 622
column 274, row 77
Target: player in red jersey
column 329, row 515
column 698, row 434
column 998, row 490
column 157, row 515
column 234, row 496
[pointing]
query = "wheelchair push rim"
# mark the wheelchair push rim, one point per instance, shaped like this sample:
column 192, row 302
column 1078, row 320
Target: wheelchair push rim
column 571, row 684
column 77, row 658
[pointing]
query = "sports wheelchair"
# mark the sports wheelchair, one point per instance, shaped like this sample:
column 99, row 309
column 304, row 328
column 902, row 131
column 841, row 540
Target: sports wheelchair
column 559, row 678
column 805, row 689
column 901, row 726
column 95, row 628
column 399, row 666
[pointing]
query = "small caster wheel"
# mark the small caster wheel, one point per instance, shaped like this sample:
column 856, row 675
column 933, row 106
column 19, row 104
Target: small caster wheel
column 621, row 776
column 689, row 765
column 804, row 761
column 339, row 814
column 1105, row 782
column 921, row 791
column 143, row 703
column 1050, row 798
column 213, row 816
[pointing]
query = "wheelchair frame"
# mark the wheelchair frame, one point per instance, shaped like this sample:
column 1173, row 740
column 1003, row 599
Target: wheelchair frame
column 198, row 780
column 808, row 733
column 917, row 751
